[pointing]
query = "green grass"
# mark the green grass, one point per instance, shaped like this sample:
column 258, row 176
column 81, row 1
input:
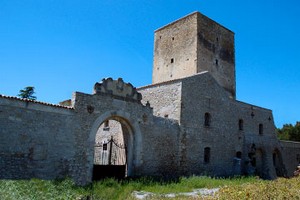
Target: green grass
column 235, row 188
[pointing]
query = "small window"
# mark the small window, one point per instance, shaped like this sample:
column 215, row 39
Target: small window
column 274, row 159
column 261, row 129
column 206, row 155
column 238, row 154
column 241, row 125
column 105, row 147
column 217, row 62
column 207, row 119
column 106, row 125
column 172, row 60
column 172, row 38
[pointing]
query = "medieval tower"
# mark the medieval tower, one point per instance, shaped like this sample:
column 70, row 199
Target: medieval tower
column 192, row 45
column 188, row 122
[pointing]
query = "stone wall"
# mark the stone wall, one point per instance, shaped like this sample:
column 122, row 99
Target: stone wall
column 175, row 50
column 290, row 155
column 223, row 135
column 215, row 52
column 187, row 123
column 160, row 148
column 50, row 141
column 259, row 138
column 144, row 156
column 191, row 45
column 165, row 99
column 200, row 95
column 36, row 140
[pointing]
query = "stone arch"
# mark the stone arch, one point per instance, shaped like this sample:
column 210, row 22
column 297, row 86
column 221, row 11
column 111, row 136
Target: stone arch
column 133, row 139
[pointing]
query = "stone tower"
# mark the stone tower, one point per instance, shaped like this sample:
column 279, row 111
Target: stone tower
column 191, row 45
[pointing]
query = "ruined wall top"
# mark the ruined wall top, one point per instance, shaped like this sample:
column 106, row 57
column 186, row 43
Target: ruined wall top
column 118, row 89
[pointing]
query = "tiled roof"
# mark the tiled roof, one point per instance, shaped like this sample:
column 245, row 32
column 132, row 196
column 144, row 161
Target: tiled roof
column 37, row 102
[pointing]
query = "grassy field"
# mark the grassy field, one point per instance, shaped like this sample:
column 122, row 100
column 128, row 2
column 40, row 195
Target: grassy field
column 236, row 188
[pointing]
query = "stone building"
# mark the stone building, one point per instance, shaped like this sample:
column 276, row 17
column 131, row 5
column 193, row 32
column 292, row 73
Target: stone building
column 187, row 122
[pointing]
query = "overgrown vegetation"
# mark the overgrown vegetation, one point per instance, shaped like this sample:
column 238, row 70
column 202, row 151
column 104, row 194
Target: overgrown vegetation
column 236, row 188
column 289, row 132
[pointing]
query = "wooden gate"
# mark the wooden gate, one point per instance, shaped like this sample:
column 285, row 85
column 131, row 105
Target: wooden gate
column 110, row 160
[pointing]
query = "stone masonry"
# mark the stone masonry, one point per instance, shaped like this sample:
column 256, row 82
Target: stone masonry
column 188, row 122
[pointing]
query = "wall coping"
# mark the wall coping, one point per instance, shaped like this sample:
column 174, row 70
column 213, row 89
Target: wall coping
column 36, row 102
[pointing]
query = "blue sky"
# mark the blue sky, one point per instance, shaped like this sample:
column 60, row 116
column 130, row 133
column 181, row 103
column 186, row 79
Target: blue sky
column 62, row 46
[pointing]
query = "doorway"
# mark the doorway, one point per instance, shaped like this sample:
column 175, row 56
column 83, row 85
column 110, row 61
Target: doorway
column 111, row 149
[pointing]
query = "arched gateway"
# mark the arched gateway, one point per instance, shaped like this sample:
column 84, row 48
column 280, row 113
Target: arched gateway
column 114, row 142
column 49, row 141
column 114, row 114
column 127, row 137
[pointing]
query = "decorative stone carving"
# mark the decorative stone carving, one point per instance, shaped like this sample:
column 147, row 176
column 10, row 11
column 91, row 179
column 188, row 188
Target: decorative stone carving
column 118, row 89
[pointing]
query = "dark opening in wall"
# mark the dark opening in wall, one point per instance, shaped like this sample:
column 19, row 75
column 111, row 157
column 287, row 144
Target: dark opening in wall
column 206, row 154
column 207, row 119
column 241, row 125
column 106, row 125
column 172, row 38
column 238, row 154
column 274, row 159
column 217, row 39
column 261, row 129
column 217, row 62
column 172, row 60
column 105, row 147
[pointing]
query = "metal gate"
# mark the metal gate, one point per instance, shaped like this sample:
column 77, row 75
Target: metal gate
column 110, row 160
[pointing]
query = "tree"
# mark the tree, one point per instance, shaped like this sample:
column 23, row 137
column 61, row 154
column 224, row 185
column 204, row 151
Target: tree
column 289, row 132
column 27, row 93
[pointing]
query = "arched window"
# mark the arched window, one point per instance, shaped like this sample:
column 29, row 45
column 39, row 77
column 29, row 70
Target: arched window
column 206, row 154
column 261, row 129
column 207, row 119
column 241, row 125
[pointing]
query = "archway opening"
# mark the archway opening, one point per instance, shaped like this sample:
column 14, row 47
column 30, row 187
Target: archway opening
column 112, row 143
